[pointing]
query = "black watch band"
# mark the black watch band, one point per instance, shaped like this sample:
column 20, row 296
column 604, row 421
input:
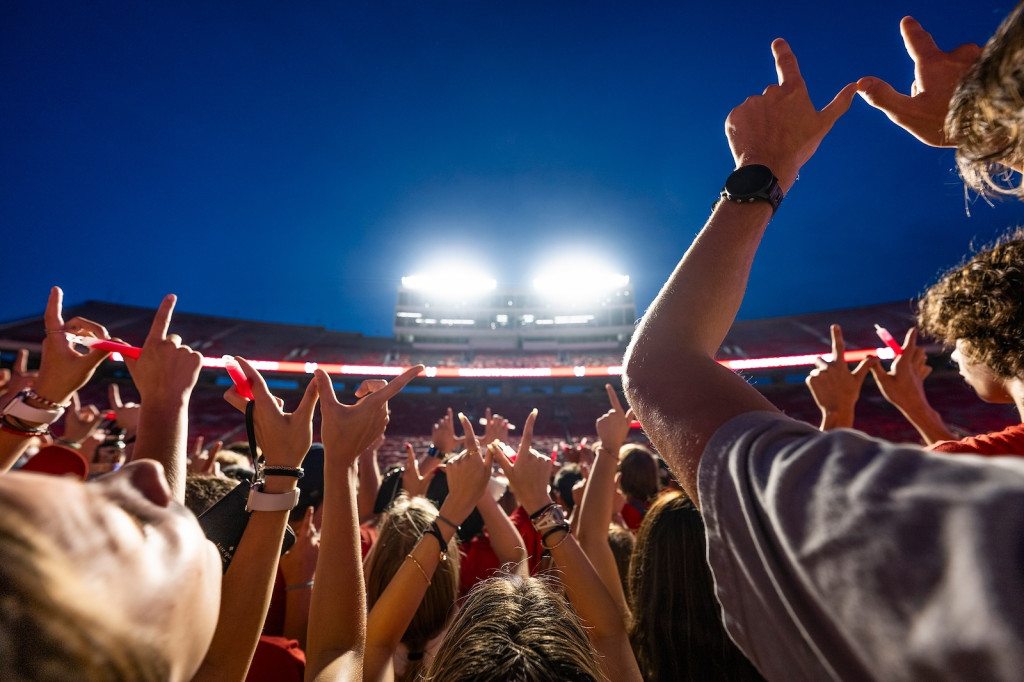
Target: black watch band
column 753, row 183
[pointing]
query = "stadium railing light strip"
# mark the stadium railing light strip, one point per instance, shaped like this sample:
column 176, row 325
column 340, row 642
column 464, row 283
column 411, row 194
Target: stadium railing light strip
column 290, row 367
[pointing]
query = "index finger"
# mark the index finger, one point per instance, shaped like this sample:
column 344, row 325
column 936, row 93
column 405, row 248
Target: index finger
column 114, row 396
column 467, row 428
column 528, row 430
column 910, row 340
column 785, row 63
column 21, row 362
column 162, row 319
column 919, row 42
column 838, row 345
column 613, row 398
column 52, row 317
column 397, row 384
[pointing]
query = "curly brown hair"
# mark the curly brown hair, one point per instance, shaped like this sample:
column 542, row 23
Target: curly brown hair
column 982, row 303
column 986, row 114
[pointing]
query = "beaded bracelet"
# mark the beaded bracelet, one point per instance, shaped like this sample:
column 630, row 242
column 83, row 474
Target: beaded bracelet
column 29, row 393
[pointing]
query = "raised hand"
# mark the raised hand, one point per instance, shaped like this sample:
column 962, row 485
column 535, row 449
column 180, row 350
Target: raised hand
column 496, row 427
column 166, row 371
column 413, row 482
column 937, row 74
column 80, row 422
column 298, row 564
column 443, row 434
column 530, row 474
column 18, row 378
column 204, row 462
column 63, row 370
column 126, row 415
column 834, row 387
column 347, row 430
column 283, row 437
column 613, row 426
column 780, row 128
column 903, row 386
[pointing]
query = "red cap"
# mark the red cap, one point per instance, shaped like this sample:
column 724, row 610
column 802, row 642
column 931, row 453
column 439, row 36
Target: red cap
column 58, row 461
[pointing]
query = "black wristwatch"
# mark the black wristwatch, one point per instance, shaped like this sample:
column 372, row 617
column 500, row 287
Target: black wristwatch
column 753, row 183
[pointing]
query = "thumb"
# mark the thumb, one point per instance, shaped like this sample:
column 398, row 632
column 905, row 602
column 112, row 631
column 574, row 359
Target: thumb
column 881, row 95
column 840, row 103
column 860, row 372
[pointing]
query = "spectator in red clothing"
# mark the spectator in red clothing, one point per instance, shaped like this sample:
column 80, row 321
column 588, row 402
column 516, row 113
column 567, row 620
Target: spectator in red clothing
column 977, row 309
column 638, row 472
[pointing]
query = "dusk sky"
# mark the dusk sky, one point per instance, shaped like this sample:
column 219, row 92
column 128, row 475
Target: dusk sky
column 292, row 161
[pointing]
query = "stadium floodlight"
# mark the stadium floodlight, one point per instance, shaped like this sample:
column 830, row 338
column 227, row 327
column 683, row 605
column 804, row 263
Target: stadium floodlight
column 579, row 281
column 450, row 284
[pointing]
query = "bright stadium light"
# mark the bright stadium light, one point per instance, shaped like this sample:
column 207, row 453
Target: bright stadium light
column 579, row 279
column 450, row 284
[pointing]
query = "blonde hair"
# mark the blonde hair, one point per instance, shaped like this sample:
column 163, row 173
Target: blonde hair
column 515, row 628
column 404, row 524
column 52, row 626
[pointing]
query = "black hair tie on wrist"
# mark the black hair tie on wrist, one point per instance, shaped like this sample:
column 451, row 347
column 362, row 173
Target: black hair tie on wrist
column 435, row 530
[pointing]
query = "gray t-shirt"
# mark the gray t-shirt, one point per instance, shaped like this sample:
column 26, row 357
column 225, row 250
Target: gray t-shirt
column 840, row 556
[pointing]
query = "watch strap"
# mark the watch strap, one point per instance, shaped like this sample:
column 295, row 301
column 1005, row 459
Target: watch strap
column 261, row 501
column 19, row 409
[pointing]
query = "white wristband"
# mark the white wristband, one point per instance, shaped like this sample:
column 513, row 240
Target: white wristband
column 259, row 501
column 33, row 415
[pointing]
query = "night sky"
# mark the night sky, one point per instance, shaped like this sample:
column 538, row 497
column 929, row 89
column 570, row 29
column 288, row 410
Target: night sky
column 292, row 161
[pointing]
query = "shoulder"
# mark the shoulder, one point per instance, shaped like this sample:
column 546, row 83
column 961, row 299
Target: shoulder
column 1009, row 441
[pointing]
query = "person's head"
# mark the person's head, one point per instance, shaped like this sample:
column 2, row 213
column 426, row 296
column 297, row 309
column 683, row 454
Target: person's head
column 676, row 630
column 986, row 114
column 514, row 628
column 978, row 308
column 621, row 540
column 203, row 491
column 639, row 469
column 563, row 484
column 401, row 528
column 107, row 580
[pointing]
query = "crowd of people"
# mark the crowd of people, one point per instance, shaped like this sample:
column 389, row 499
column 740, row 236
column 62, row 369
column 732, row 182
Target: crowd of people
column 764, row 548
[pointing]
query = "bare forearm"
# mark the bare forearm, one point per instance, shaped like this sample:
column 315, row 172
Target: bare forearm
column 680, row 394
column 506, row 541
column 369, row 484
column 163, row 429
column 337, row 615
column 595, row 515
column 928, row 423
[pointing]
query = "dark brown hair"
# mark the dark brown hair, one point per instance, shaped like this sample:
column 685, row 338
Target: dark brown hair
column 639, row 468
column 676, row 629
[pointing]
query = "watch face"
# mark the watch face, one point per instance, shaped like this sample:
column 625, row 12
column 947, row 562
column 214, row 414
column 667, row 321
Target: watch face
column 748, row 181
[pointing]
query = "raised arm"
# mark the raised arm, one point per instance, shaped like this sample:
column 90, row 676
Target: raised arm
column 596, row 508
column 678, row 391
column 903, row 386
column 336, row 638
column 467, row 474
column 284, row 438
column 923, row 112
column 591, row 601
column 62, row 371
column 834, row 387
column 369, row 480
column 165, row 374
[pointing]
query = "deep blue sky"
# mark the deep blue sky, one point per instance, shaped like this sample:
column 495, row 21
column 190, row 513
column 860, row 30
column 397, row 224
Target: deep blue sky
column 291, row 161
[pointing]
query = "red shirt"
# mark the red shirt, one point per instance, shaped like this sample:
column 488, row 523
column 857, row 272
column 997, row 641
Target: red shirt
column 1009, row 441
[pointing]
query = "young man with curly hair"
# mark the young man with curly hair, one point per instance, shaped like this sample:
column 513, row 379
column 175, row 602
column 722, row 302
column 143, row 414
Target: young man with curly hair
column 978, row 308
